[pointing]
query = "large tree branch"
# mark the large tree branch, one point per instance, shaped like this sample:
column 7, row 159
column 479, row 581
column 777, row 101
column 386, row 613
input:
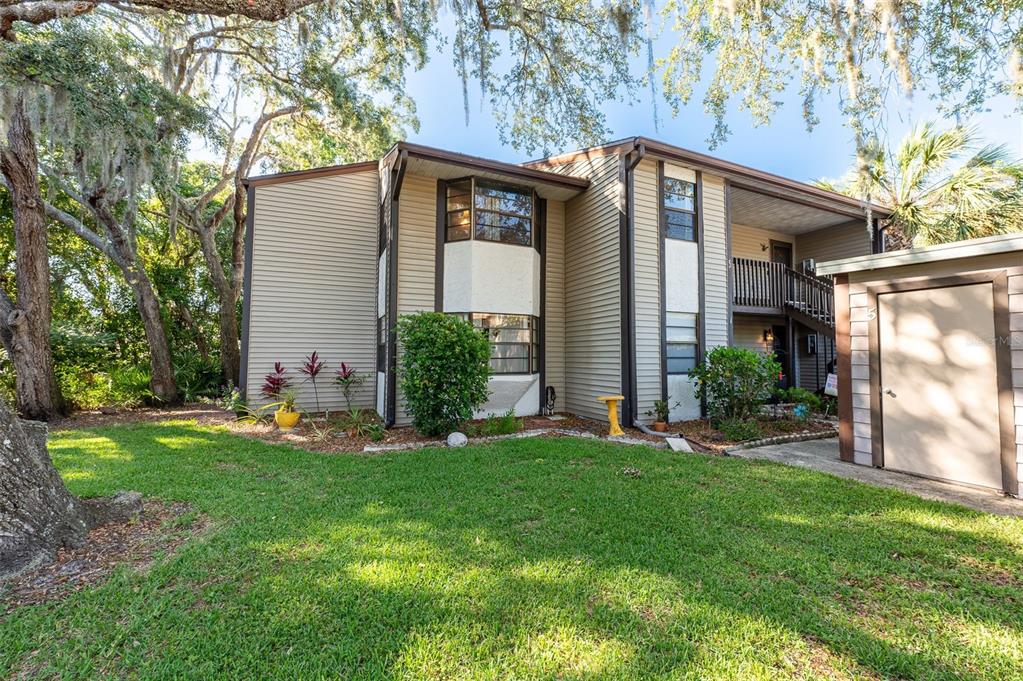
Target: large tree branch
column 40, row 11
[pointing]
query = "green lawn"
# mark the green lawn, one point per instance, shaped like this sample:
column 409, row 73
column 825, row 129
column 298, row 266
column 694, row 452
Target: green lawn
column 526, row 559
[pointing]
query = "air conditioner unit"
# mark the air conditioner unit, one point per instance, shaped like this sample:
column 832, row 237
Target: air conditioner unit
column 809, row 266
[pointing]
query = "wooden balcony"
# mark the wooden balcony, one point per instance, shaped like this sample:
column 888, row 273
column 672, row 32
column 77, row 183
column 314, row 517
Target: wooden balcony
column 762, row 287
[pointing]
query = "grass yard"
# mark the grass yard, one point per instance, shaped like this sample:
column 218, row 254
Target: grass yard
column 525, row 559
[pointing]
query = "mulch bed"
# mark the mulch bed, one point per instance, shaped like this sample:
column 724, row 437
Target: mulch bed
column 702, row 435
column 135, row 545
column 304, row 436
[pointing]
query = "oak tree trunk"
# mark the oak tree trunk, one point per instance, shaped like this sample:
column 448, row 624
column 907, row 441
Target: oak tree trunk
column 162, row 371
column 38, row 515
column 26, row 321
column 227, row 298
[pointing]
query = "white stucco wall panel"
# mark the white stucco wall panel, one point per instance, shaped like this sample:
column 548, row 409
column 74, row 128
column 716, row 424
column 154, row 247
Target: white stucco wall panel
column 483, row 276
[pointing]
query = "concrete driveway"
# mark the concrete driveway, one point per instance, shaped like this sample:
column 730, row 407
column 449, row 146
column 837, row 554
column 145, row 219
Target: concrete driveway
column 822, row 455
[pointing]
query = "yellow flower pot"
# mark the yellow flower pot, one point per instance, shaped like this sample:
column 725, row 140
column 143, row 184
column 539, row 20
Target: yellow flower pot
column 286, row 420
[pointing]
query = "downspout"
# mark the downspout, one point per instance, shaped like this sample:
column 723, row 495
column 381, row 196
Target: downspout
column 397, row 173
column 633, row 159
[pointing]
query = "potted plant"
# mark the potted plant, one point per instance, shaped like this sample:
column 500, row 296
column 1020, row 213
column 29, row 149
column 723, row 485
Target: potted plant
column 660, row 411
column 286, row 415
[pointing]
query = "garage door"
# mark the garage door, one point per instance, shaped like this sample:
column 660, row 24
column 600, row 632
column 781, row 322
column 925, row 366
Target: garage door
column 939, row 390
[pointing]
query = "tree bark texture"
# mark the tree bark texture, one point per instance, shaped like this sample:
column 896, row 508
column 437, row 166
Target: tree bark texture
column 26, row 321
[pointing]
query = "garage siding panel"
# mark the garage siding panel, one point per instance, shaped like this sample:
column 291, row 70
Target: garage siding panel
column 314, row 282
column 417, row 239
column 647, row 288
column 554, row 323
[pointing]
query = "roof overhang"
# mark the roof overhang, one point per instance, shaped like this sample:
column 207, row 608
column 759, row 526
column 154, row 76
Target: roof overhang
column 739, row 177
column 449, row 165
column 992, row 245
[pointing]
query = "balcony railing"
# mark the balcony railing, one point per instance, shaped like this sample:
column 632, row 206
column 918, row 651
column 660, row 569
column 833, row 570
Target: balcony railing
column 762, row 286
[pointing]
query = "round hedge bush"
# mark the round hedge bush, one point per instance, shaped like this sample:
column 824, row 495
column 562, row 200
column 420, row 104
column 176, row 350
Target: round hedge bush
column 445, row 366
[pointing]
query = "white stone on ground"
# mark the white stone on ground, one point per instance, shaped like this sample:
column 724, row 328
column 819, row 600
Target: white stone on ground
column 457, row 439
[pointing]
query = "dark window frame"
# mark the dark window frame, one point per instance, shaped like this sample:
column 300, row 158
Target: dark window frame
column 382, row 343
column 474, row 183
column 669, row 344
column 532, row 345
column 667, row 211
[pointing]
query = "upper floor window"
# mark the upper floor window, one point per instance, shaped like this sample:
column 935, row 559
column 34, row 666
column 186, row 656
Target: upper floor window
column 679, row 209
column 489, row 211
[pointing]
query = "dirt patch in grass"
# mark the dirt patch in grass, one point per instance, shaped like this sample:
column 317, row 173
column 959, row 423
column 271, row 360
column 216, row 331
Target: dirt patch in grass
column 702, row 433
column 203, row 414
column 160, row 530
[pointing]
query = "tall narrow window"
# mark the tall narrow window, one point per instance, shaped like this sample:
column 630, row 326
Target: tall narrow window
column 489, row 211
column 382, row 343
column 459, row 210
column 681, row 342
column 679, row 209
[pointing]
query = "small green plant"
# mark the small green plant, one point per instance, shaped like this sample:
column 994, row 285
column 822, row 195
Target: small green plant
column 444, row 372
column 231, row 400
column 735, row 382
column 739, row 430
column 320, row 432
column 255, row 415
column 357, row 422
column 288, row 400
column 506, row 424
column 797, row 396
column 662, row 410
column 375, row 431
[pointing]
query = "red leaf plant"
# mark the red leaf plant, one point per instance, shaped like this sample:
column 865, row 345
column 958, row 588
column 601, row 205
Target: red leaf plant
column 349, row 381
column 275, row 382
column 311, row 367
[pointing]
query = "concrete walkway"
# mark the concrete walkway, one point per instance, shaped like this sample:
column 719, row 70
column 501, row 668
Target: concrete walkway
column 822, row 455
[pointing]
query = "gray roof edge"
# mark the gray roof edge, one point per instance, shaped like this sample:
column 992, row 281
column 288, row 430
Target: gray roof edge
column 1001, row 243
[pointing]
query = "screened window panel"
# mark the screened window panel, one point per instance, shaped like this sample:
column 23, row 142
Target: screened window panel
column 680, row 225
column 681, row 334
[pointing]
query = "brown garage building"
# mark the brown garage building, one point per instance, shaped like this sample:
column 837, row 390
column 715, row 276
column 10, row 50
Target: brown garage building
column 930, row 360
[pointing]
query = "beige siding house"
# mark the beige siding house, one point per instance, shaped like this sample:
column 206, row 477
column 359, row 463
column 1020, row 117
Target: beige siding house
column 606, row 271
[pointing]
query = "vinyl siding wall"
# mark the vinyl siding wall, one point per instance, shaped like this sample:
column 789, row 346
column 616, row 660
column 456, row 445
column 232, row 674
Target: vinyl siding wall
column 314, row 280
column 747, row 242
column 832, row 243
column 417, row 227
column 715, row 263
column 592, row 291
column 554, row 322
column 647, row 287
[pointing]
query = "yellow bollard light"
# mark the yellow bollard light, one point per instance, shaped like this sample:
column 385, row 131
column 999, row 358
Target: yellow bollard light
column 612, row 413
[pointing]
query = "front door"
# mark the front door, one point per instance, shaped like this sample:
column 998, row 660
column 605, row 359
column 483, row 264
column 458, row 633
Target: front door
column 781, row 252
column 780, row 347
column 939, row 385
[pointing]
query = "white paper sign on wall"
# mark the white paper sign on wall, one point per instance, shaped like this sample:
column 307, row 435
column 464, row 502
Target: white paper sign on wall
column 831, row 385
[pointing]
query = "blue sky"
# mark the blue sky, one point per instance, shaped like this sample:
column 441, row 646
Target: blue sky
column 783, row 147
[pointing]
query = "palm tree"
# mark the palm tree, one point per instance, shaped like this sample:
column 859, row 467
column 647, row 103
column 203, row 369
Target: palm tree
column 942, row 186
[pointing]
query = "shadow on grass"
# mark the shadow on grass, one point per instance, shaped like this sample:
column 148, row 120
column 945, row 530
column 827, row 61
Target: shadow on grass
column 537, row 558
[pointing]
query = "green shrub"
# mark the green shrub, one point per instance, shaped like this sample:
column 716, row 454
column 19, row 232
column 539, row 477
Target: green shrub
column 735, row 382
column 506, row 424
column 797, row 395
column 121, row 386
column 739, row 430
column 197, row 376
column 445, row 366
